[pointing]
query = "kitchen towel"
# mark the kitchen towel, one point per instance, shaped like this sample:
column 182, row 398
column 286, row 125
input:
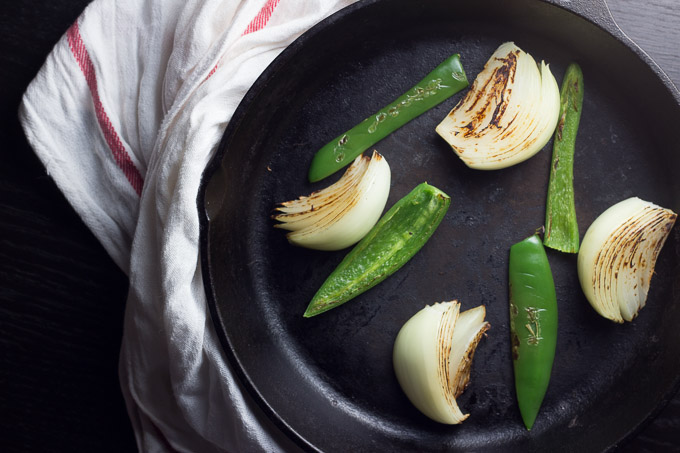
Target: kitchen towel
column 125, row 114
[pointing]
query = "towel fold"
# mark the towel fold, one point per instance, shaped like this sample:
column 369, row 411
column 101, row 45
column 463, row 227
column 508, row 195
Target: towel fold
column 125, row 114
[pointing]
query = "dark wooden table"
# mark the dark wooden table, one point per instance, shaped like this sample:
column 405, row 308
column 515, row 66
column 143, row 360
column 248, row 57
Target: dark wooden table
column 61, row 296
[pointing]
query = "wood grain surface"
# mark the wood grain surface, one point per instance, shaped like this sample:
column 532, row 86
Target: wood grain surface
column 62, row 298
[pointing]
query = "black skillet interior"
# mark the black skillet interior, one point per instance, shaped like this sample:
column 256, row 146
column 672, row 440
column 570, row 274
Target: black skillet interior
column 328, row 381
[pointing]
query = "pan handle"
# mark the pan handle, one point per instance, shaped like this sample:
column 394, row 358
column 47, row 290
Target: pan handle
column 598, row 12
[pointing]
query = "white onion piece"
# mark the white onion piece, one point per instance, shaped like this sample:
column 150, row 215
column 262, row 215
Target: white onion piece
column 341, row 214
column 508, row 115
column 433, row 356
column 618, row 254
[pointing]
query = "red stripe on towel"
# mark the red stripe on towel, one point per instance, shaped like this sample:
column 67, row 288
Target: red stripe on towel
column 256, row 24
column 262, row 17
column 122, row 158
column 212, row 71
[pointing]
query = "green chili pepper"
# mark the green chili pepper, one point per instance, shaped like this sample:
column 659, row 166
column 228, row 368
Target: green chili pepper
column 397, row 236
column 561, row 229
column 443, row 82
column 533, row 324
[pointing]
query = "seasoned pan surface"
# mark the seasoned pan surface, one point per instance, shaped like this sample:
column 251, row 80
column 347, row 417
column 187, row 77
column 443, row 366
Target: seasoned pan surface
column 328, row 381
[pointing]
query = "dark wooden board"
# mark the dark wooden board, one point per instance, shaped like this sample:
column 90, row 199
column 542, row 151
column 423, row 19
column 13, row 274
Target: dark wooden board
column 61, row 296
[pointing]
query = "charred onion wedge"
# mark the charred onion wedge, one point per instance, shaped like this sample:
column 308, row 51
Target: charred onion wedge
column 433, row 356
column 508, row 115
column 341, row 214
column 618, row 254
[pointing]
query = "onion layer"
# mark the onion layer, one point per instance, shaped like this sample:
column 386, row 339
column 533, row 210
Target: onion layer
column 433, row 356
column 618, row 254
column 341, row 214
column 508, row 115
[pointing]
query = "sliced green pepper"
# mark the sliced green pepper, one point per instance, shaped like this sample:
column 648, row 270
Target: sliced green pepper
column 397, row 236
column 533, row 324
column 443, row 82
column 561, row 228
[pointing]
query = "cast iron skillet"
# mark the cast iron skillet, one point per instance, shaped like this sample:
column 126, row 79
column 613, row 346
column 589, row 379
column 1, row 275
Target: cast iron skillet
column 328, row 381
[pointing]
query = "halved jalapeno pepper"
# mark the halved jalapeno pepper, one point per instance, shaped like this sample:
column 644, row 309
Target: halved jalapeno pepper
column 443, row 82
column 533, row 324
column 397, row 236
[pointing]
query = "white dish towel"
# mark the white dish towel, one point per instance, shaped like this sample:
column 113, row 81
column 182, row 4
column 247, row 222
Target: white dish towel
column 125, row 114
